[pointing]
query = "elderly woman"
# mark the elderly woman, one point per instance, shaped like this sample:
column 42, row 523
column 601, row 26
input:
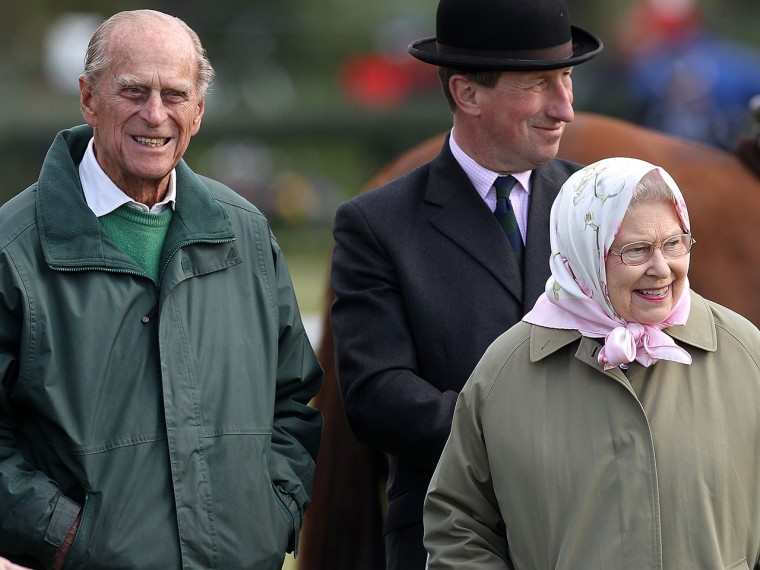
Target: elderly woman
column 618, row 425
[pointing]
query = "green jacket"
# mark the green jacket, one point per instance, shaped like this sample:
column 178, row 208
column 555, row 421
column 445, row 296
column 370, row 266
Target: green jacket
column 554, row 462
column 175, row 415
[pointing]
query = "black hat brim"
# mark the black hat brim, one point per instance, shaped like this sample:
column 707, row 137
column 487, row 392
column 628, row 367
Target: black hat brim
column 585, row 46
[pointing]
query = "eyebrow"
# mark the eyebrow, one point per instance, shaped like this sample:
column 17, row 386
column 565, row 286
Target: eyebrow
column 663, row 240
column 126, row 81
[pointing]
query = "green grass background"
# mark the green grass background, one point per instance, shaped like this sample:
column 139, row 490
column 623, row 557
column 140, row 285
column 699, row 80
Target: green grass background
column 307, row 253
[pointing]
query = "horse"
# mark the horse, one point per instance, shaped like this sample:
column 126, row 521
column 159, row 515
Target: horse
column 343, row 525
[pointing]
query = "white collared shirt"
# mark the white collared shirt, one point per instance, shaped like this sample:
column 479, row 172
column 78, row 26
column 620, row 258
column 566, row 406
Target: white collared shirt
column 483, row 180
column 103, row 196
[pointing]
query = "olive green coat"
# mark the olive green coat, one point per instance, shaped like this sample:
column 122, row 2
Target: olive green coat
column 175, row 414
column 554, row 463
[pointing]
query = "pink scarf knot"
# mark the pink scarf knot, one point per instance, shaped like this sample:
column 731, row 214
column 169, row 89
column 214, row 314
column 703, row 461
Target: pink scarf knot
column 643, row 343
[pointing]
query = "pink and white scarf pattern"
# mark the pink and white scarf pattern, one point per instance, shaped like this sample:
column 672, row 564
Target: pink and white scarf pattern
column 584, row 220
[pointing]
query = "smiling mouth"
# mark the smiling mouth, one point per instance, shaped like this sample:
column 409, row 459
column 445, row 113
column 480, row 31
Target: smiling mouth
column 151, row 142
column 654, row 292
column 551, row 131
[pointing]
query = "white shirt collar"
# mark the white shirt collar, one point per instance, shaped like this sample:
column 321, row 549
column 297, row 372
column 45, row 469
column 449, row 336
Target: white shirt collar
column 103, row 196
column 481, row 177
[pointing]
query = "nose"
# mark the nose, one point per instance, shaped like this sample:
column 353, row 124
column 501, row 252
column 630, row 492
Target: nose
column 658, row 265
column 153, row 111
column 560, row 106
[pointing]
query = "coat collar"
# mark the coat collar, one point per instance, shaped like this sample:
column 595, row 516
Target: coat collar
column 71, row 235
column 463, row 217
column 699, row 332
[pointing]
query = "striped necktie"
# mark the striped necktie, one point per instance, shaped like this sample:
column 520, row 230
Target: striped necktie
column 506, row 216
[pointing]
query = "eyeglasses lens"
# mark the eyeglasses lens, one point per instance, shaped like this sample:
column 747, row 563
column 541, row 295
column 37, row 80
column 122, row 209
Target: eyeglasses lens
column 640, row 252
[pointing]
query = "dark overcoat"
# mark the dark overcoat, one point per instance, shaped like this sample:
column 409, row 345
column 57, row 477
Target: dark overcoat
column 424, row 280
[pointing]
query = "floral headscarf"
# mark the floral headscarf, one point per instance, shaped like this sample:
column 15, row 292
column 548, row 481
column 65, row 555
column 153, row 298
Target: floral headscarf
column 584, row 220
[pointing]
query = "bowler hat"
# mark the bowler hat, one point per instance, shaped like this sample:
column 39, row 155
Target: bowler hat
column 512, row 35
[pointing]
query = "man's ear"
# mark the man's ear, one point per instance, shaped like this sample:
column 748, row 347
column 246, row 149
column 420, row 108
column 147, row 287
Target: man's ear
column 86, row 102
column 465, row 94
column 197, row 120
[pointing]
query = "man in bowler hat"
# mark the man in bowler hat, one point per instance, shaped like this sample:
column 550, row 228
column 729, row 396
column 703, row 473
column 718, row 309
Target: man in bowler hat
column 428, row 270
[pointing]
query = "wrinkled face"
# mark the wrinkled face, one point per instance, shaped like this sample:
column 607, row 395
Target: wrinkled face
column 524, row 117
column 146, row 107
column 648, row 292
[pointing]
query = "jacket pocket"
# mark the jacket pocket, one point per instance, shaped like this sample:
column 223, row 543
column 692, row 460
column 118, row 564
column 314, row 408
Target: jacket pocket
column 76, row 556
column 292, row 514
column 738, row 565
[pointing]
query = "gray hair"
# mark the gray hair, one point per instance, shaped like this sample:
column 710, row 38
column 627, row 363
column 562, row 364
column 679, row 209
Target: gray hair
column 98, row 58
column 651, row 187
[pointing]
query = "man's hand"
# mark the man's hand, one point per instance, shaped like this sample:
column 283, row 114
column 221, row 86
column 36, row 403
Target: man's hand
column 63, row 551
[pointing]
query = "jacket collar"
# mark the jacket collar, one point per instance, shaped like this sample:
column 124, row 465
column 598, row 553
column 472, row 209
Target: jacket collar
column 463, row 217
column 699, row 332
column 71, row 235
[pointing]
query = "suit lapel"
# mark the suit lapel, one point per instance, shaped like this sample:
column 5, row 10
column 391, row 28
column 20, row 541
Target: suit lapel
column 461, row 215
column 545, row 185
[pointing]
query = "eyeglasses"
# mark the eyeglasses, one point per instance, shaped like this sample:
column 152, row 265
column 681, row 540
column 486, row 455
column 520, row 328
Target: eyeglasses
column 639, row 252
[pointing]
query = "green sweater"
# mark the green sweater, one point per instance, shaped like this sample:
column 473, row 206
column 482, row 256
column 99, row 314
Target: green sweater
column 139, row 234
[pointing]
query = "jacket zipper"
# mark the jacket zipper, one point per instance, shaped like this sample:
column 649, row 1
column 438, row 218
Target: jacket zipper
column 145, row 319
column 173, row 253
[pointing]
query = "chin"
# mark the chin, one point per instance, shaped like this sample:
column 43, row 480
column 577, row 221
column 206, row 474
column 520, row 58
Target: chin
column 548, row 151
column 652, row 318
column 540, row 160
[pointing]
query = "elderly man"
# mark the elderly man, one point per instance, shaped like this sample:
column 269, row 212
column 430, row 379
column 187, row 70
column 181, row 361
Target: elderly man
column 425, row 275
column 155, row 371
